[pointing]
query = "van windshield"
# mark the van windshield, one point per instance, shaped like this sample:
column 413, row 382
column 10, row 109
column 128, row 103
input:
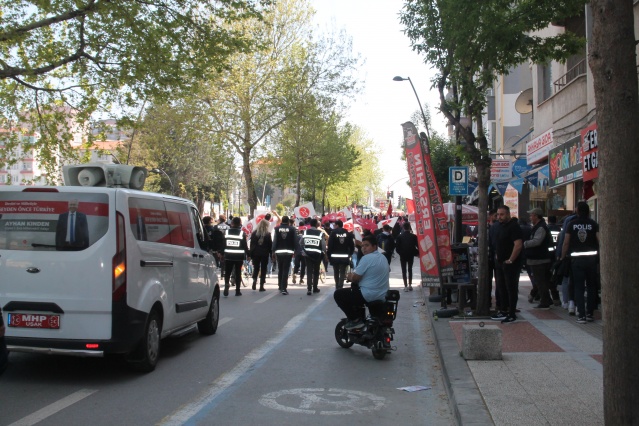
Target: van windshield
column 50, row 221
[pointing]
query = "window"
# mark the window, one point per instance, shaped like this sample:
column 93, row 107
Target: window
column 148, row 220
column 544, row 82
column 182, row 231
column 40, row 221
column 160, row 222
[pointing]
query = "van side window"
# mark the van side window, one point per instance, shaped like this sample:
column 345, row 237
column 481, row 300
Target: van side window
column 181, row 229
column 148, row 220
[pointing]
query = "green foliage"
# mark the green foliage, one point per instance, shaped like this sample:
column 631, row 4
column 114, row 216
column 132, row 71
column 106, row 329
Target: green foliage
column 280, row 209
column 261, row 90
column 63, row 61
column 442, row 156
column 174, row 137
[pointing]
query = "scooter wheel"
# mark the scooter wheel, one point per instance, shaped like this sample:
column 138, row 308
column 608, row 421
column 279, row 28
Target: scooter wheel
column 379, row 353
column 341, row 334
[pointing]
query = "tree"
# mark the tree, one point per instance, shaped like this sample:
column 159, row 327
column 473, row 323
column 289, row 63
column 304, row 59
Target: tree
column 612, row 60
column 62, row 61
column 442, row 156
column 174, row 137
column 469, row 44
column 262, row 89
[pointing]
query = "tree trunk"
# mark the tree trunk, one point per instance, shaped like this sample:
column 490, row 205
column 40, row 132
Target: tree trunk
column 484, row 284
column 323, row 200
column 298, row 185
column 251, row 197
column 612, row 61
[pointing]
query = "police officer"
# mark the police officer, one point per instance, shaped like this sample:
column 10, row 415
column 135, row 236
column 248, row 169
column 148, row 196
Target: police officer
column 314, row 249
column 581, row 243
column 235, row 251
column 340, row 249
column 285, row 243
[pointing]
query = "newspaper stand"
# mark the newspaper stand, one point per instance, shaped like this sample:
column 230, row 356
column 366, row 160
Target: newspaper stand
column 460, row 281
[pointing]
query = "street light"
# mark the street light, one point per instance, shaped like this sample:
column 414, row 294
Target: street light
column 158, row 171
column 398, row 78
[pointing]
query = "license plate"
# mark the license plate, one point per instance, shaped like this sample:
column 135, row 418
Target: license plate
column 34, row 320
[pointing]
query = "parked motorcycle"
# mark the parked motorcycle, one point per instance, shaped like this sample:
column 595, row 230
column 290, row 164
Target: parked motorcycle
column 377, row 333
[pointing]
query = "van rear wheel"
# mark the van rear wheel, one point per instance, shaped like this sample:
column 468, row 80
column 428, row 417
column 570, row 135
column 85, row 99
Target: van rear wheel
column 145, row 357
column 208, row 325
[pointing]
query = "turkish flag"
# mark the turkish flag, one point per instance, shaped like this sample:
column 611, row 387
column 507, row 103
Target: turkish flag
column 410, row 206
column 389, row 212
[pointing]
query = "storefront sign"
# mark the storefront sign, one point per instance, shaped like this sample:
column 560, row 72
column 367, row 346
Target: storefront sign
column 537, row 149
column 565, row 163
column 511, row 199
column 458, row 181
column 590, row 152
column 500, row 170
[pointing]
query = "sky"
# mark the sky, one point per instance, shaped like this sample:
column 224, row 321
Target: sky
column 384, row 104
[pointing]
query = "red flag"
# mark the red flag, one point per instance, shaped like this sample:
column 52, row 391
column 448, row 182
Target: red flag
column 389, row 212
column 410, row 206
column 432, row 228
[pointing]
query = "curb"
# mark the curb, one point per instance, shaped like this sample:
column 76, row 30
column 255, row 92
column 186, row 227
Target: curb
column 465, row 398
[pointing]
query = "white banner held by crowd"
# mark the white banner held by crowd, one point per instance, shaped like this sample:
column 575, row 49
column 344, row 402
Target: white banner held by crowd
column 304, row 211
column 390, row 222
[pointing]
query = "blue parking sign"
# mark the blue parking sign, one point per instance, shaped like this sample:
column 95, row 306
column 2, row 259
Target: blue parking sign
column 458, row 181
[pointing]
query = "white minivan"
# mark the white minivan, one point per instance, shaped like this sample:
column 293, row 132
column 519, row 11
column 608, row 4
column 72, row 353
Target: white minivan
column 92, row 270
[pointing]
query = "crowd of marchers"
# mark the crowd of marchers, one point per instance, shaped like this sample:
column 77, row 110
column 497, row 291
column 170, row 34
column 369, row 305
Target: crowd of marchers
column 302, row 249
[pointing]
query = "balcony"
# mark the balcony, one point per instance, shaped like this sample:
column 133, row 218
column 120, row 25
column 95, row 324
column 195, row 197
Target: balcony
column 578, row 70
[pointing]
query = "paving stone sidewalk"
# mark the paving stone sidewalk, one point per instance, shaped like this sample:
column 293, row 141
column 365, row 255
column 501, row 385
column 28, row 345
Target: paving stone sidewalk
column 551, row 372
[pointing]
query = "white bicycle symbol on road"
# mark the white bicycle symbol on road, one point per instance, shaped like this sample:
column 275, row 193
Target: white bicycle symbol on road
column 322, row 401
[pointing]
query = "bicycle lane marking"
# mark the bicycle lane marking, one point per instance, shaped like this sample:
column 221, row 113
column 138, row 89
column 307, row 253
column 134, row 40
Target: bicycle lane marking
column 200, row 407
column 54, row 408
column 324, row 401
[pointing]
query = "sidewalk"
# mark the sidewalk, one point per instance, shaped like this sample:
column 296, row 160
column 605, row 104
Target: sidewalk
column 551, row 372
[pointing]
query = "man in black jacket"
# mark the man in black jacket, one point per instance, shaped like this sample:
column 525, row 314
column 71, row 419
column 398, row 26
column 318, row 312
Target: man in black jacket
column 538, row 257
column 406, row 247
column 340, row 250
column 217, row 242
column 386, row 242
column 284, row 246
column 313, row 249
column 235, row 251
column 508, row 261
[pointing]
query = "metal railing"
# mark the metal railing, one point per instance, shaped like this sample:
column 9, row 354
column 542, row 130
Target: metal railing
column 573, row 73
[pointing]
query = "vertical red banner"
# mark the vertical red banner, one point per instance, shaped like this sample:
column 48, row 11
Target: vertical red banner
column 431, row 222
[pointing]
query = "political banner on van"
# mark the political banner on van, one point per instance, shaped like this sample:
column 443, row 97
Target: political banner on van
column 52, row 221
column 431, row 223
column 305, row 211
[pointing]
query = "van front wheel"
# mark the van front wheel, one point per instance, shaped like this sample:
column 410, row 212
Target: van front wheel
column 208, row 325
column 145, row 357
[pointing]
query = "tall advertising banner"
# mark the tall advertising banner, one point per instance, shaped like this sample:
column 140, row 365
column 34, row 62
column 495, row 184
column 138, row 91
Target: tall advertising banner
column 431, row 223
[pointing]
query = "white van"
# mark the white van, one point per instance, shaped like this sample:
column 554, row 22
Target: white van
column 91, row 270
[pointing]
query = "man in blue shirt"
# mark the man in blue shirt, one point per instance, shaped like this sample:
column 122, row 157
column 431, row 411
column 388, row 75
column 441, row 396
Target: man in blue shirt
column 369, row 282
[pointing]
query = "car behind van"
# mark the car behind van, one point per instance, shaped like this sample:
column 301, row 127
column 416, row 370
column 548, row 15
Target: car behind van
column 95, row 270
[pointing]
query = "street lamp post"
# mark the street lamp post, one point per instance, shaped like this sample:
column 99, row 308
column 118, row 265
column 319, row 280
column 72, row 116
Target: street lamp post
column 398, row 78
column 158, row 171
